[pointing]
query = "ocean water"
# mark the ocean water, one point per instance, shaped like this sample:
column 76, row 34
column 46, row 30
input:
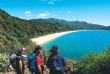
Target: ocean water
column 74, row 45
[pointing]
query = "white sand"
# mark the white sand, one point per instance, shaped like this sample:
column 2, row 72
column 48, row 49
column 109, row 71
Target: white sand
column 43, row 39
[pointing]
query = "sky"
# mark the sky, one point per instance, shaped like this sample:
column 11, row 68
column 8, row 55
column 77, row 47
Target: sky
column 91, row 11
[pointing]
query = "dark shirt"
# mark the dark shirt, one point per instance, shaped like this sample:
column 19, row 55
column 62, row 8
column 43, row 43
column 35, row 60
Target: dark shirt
column 49, row 63
column 18, row 58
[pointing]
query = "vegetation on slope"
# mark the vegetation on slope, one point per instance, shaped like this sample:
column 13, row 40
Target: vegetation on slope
column 74, row 24
column 95, row 63
column 17, row 32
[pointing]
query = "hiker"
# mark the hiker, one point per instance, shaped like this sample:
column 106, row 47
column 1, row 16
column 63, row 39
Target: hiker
column 39, row 61
column 35, row 63
column 20, row 61
column 56, row 61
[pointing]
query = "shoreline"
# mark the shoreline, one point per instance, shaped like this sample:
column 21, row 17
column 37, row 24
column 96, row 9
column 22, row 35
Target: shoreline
column 41, row 40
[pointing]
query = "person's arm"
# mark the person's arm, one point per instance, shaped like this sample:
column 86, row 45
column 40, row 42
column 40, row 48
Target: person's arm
column 20, row 66
column 63, row 60
column 38, row 64
column 24, row 56
column 40, row 69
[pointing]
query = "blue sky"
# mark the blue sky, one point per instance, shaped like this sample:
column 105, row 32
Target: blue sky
column 91, row 11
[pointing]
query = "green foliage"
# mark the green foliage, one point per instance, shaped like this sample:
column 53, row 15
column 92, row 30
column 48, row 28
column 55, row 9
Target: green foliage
column 29, row 48
column 6, row 42
column 44, row 55
column 16, row 32
column 94, row 63
column 4, row 62
column 70, row 67
column 74, row 24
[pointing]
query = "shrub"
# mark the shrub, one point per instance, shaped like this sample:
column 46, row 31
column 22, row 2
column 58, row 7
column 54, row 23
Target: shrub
column 94, row 63
column 4, row 62
column 70, row 67
column 29, row 48
column 44, row 55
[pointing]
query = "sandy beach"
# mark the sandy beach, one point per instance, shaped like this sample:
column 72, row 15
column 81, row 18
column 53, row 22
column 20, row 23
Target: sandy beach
column 46, row 38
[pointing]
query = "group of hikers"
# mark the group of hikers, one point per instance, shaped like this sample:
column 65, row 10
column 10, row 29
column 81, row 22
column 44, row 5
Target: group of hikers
column 55, row 62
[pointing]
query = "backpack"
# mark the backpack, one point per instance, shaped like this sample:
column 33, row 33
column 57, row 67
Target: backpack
column 31, row 61
column 13, row 60
column 57, row 63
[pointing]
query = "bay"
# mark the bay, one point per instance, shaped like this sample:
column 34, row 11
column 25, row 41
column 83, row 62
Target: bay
column 76, row 44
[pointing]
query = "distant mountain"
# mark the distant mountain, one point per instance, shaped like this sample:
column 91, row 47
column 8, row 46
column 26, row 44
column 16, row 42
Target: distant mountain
column 108, row 27
column 75, row 24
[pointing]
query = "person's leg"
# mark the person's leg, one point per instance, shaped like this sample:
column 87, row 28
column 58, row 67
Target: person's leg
column 31, row 72
column 42, row 67
column 37, row 72
column 18, row 72
column 60, row 72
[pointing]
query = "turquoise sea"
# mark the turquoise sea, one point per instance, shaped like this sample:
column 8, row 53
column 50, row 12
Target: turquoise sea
column 74, row 45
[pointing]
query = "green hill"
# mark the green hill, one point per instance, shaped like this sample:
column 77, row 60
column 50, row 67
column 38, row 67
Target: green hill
column 14, row 31
column 75, row 24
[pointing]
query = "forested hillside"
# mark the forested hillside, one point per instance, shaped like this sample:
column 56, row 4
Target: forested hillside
column 75, row 24
column 14, row 31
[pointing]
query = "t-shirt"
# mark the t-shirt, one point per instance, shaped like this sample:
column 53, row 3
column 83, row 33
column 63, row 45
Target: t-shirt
column 17, row 64
column 39, row 61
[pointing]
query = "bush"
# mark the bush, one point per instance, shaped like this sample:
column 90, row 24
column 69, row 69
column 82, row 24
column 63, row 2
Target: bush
column 70, row 67
column 44, row 55
column 94, row 63
column 4, row 62
column 29, row 48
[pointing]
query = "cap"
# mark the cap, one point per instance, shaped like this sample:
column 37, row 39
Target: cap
column 20, row 50
column 37, row 47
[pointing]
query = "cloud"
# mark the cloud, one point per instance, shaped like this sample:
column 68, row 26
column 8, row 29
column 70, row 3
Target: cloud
column 43, row 15
column 27, row 12
column 69, row 12
column 51, row 3
column 28, row 15
column 54, row 15
column 48, row 14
